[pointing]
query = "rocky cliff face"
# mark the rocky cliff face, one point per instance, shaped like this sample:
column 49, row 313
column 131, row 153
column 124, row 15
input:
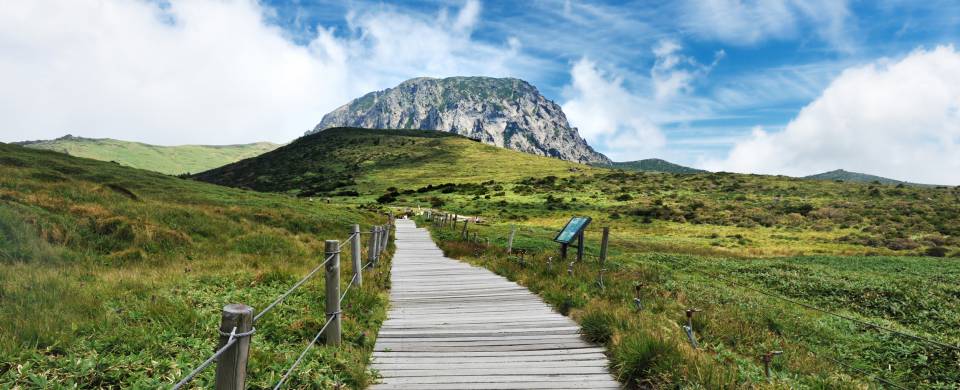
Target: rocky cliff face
column 505, row 112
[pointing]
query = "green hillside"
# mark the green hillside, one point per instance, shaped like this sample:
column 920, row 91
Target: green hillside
column 347, row 160
column 654, row 165
column 113, row 277
column 843, row 175
column 749, row 251
column 173, row 160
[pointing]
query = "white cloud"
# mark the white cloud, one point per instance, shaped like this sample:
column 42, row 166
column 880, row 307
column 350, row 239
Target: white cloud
column 745, row 22
column 674, row 73
column 199, row 71
column 899, row 119
column 610, row 117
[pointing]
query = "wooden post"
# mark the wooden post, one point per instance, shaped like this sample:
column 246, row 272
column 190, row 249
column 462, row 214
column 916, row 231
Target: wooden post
column 372, row 247
column 563, row 252
column 377, row 246
column 454, row 224
column 513, row 231
column 355, row 256
column 332, row 335
column 384, row 239
column 464, row 233
column 580, row 246
column 603, row 245
column 232, row 365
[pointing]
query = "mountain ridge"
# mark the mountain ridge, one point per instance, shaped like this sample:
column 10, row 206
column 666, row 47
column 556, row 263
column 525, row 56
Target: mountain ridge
column 505, row 112
column 172, row 160
column 844, row 175
column 653, row 165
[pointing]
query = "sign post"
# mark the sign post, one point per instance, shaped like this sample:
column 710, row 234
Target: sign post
column 573, row 230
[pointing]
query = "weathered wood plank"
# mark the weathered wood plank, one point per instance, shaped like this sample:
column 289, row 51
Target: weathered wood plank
column 455, row 326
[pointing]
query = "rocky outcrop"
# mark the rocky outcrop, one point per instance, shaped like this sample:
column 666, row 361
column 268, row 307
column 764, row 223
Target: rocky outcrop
column 505, row 112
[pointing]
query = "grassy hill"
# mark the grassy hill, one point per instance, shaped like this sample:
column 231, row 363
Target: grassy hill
column 173, row 160
column 113, row 277
column 654, row 165
column 348, row 160
column 747, row 250
column 857, row 177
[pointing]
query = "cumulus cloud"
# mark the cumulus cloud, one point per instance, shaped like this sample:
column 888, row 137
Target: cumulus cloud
column 894, row 118
column 745, row 22
column 610, row 116
column 199, row 71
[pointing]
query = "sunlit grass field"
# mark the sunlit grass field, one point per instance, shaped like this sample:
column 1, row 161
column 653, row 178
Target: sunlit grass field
column 172, row 160
column 915, row 295
column 112, row 277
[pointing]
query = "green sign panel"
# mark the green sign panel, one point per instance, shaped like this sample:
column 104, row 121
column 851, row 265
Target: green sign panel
column 572, row 229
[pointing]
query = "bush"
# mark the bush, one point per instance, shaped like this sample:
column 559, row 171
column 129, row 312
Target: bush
column 624, row 197
column 598, row 326
column 389, row 197
column 643, row 358
column 436, row 202
column 936, row 251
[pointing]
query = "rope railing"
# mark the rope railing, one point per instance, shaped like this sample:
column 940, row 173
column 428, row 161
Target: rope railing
column 290, row 291
column 378, row 244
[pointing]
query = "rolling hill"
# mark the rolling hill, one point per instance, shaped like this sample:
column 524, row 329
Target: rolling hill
column 172, row 160
column 366, row 161
column 113, row 277
column 857, row 177
column 653, row 165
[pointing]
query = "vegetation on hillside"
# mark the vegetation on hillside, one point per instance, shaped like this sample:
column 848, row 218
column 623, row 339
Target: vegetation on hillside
column 172, row 160
column 747, row 308
column 721, row 213
column 842, row 175
column 653, row 165
column 112, row 277
column 350, row 162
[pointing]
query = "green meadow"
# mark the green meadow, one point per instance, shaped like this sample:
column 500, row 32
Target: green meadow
column 113, row 277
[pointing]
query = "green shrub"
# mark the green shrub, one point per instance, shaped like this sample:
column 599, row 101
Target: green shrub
column 598, row 326
column 645, row 361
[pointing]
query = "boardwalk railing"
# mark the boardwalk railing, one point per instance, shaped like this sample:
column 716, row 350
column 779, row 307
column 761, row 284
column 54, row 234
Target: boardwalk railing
column 237, row 320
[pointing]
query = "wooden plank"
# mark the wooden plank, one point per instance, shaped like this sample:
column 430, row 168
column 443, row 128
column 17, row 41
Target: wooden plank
column 456, row 326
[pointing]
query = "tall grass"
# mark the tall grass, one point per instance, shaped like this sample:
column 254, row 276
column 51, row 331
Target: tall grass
column 736, row 325
column 112, row 277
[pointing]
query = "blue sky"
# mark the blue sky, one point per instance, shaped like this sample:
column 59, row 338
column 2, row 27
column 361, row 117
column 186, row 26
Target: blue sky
column 738, row 85
column 767, row 72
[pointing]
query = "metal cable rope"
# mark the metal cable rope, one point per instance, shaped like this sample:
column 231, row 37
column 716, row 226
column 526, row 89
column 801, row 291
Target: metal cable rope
column 295, row 286
column 233, row 337
column 317, row 337
column 204, row 365
column 304, row 353
column 347, row 289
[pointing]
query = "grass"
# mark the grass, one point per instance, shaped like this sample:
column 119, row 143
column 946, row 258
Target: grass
column 367, row 163
column 113, row 277
column 737, row 325
column 173, row 160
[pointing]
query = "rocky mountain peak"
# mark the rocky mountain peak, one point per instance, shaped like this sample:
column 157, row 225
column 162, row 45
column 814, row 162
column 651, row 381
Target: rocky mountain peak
column 505, row 112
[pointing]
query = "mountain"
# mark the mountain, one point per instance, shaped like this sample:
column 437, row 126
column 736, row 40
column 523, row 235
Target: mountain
column 505, row 112
column 843, row 175
column 172, row 160
column 368, row 161
column 654, row 165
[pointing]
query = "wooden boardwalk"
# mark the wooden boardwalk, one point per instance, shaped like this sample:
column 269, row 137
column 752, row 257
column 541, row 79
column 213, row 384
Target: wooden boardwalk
column 455, row 326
